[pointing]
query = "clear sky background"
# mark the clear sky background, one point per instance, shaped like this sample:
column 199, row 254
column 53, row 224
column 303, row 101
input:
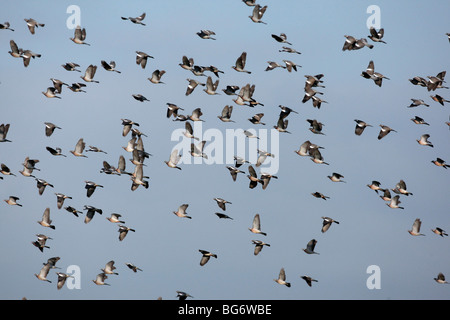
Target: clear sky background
column 166, row 247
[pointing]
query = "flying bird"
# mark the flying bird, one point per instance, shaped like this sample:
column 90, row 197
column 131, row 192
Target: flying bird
column 225, row 116
column 15, row 52
column 77, row 87
column 71, row 66
column 376, row 36
column 55, row 151
column 46, row 221
column 26, row 55
column 291, row 65
column 417, row 102
column 12, row 201
column 289, row 50
column 370, row 73
column 115, row 218
column 206, row 255
column 5, row 26
column 72, row 210
column 60, row 197
column 89, row 74
column 50, row 93
column 310, row 247
column 308, row 280
column 375, row 185
column 42, row 184
column 136, row 20
column 439, row 231
column 419, row 120
column 394, row 203
column 33, row 24
column 4, row 169
column 336, row 177
column 132, row 267
column 40, row 243
column 206, row 34
column 384, row 131
column 360, row 126
column 192, row 85
column 423, row 141
column 439, row 99
column 100, row 279
column 44, row 272
column 316, row 156
column 91, row 210
column 156, row 76
column 240, row 63
column 326, row 224
column 259, row 246
column 211, row 87
column 258, row 13
column 440, row 278
column 183, row 295
column 173, row 160
column 320, row 195
column 111, row 66
column 256, row 225
column 79, row 36
column 90, row 187
column 282, row 278
column 141, row 58
column 222, row 203
column 282, row 38
column 440, row 163
column 234, row 171
column 140, row 97
column 187, row 63
column 123, row 231
column 223, row 216
column 62, row 277
column 79, row 148
column 415, row 230
column 181, row 212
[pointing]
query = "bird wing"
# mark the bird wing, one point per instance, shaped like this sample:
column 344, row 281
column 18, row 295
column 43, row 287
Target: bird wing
column 174, row 157
column 80, row 146
column 256, row 222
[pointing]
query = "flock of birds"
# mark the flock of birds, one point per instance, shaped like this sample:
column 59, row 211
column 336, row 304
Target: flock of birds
column 242, row 96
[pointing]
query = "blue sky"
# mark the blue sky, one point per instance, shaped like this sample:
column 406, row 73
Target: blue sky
column 166, row 247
